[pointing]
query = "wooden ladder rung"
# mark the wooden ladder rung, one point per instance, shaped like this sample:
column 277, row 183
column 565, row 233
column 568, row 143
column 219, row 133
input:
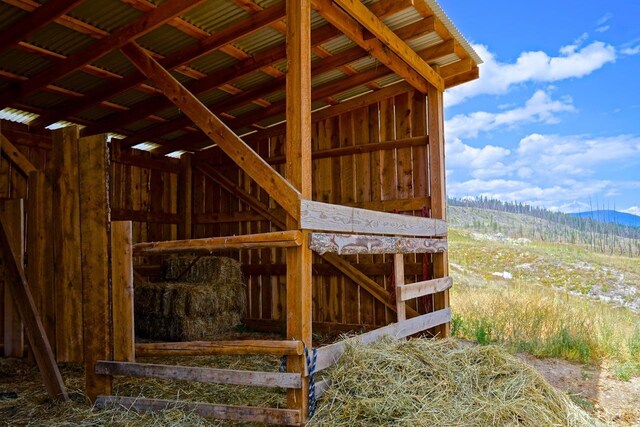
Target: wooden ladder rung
column 426, row 287
column 221, row 412
column 200, row 374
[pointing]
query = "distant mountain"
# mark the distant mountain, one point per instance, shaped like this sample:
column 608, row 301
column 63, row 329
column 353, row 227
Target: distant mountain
column 611, row 217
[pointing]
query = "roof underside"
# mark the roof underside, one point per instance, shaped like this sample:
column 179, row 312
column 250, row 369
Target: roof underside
column 241, row 81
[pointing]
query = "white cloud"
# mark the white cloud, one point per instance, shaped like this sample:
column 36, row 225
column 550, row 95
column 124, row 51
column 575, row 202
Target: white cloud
column 605, row 18
column 630, row 51
column 498, row 77
column 633, row 210
column 603, row 29
column 539, row 108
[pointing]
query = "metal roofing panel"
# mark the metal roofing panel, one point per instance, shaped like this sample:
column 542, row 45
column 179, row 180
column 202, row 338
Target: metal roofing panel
column 130, row 97
column 327, row 77
column 60, row 39
column 260, row 40
column 21, row 63
column 107, row 15
column 165, row 40
column 95, row 113
column 389, row 80
column 424, row 41
column 351, row 93
column 214, row 15
column 257, row 78
column 213, row 96
column 212, row 62
column 80, row 82
column 338, row 44
column 402, row 18
column 115, row 62
column 364, row 64
column 14, row 115
column 9, row 15
column 244, row 109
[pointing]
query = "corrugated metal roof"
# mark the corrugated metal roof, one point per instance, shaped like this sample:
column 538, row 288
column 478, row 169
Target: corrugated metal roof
column 108, row 15
column 21, row 63
column 9, row 15
column 60, row 39
column 214, row 15
column 165, row 40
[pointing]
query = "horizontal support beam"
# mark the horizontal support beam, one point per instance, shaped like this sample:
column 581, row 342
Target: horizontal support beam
column 328, row 217
column 207, row 410
column 329, row 355
column 199, row 374
column 277, row 239
column 144, row 216
column 358, row 244
column 427, row 287
column 212, row 348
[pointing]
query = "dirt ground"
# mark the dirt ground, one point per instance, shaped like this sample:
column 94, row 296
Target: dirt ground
column 596, row 389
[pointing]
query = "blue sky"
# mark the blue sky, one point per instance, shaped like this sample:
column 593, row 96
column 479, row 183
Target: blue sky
column 554, row 119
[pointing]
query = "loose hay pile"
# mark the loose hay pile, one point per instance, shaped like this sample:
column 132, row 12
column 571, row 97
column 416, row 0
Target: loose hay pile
column 200, row 297
column 438, row 383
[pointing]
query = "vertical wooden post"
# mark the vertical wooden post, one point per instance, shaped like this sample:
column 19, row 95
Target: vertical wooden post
column 94, row 228
column 66, row 226
column 185, row 196
column 298, row 172
column 13, row 214
column 122, row 291
column 398, row 272
column 437, row 186
column 40, row 265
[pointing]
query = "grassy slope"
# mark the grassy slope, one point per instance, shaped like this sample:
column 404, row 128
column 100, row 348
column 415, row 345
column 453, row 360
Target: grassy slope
column 547, row 303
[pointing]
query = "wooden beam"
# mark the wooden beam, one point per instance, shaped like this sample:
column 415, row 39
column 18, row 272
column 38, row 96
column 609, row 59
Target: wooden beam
column 16, row 156
column 26, row 307
column 272, row 182
column 437, row 186
column 13, row 213
column 117, row 39
column 32, row 22
column 276, row 239
column 426, row 287
column 212, row 348
column 207, row 410
column 341, row 20
column 199, row 374
column 329, row 355
column 398, row 274
column 459, row 79
column 358, row 244
column 328, row 217
column 67, row 246
column 93, row 175
column 368, row 20
column 122, row 291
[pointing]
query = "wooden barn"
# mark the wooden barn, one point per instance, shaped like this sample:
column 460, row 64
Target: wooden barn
column 303, row 138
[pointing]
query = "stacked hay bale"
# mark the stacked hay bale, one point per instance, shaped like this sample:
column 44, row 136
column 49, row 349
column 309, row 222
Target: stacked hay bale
column 199, row 297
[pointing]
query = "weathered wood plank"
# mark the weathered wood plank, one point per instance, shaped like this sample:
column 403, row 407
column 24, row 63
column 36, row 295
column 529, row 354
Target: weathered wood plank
column 13, row 337
column 286, row 239
column 122, row 291
column 357, row 244
column 16, row 155
column 199, row 374
column 329, row 355
column 222, row 412
column 207, row 348
column 398, row 273
column 327, row 217
column 28, row 312
column 426, row 287
column 68, row 268
column 93, row 173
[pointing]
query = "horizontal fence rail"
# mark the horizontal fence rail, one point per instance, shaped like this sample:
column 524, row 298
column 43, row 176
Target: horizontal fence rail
column 209, row 348
column 358, row 244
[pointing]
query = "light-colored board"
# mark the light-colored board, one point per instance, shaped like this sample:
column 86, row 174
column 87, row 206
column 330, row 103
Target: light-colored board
column 359, row 244
column 208, row 348
column 425, row 287
column 199, row 374
column 222, row 412
column 398, row 273
column 327, row 217
column 122, row 291
column 329, row 355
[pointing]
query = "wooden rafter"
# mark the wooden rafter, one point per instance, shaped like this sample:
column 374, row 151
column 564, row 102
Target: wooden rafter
column 32, row 22
column 16, row 156
column 139, row 27
column 272, row 182
column 207, row 45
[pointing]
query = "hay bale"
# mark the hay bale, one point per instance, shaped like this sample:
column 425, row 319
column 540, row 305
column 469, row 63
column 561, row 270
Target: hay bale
column 210, row 300
column 425, row 383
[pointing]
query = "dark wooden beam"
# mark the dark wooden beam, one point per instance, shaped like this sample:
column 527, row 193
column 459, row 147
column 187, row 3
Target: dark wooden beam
column 117, row 39
column 32, row 22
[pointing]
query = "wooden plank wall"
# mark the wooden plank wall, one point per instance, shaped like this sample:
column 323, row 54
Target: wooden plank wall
column 146, row 190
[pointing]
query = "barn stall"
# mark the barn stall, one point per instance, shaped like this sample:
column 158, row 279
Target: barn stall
column 302, row 139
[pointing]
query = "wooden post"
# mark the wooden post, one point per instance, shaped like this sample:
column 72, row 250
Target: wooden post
column 122, row 291
column 66, row 226
column 13, row 214
column 398, row 271
column 93, row 174
column 298, row 172
column 437, row 186
column 40, row 265
column 185, row 196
